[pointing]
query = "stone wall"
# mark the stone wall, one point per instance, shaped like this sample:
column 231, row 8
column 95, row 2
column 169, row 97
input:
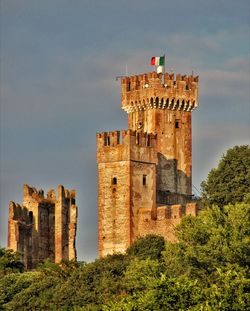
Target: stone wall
column 123, row 165
column 145, row 176
column 43, row 227
column 167, row 218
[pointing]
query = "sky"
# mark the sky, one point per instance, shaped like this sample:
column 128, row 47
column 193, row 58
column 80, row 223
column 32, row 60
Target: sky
column 59, row 60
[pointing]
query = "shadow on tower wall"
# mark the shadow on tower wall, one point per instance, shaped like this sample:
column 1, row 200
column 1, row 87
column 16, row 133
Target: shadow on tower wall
column 173, row 185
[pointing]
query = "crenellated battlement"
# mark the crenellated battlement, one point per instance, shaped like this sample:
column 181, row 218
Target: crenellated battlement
column 130, row 145
column 39, row 196
column 167, row 218
column 159, row 91
column 32, row 191
column 20, row 213
column 166, row 212
column 115, row 138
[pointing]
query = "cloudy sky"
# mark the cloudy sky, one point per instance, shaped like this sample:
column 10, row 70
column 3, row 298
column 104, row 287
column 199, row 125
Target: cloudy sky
column 59, row 60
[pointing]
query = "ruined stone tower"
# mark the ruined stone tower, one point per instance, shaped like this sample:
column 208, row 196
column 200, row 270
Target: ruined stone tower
column 145, row 175
column 43, row 227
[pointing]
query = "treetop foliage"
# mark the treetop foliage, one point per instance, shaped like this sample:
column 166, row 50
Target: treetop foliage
column 230, row 181
column 10, row 262
column 150, row 246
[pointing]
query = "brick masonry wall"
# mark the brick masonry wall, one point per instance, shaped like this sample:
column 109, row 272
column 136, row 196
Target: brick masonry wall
column 168, row 217
column 151, row 161
column 114, row 207
column 43, row 227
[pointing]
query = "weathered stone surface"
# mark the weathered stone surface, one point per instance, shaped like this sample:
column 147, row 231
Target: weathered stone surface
column 145, row 176
column 167, row 218
column 43, row 227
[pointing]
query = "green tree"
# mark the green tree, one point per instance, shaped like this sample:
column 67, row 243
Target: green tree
column 155, row 291
column 140, row 273
column 150, row 246
column 227, row 291
column 230, row 181
column 10, row 262
column 216, row 238
column 93, row 284
column 35, row 289
column 14, row 283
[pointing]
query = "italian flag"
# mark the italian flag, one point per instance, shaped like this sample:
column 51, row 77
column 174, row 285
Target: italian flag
column 157, row 60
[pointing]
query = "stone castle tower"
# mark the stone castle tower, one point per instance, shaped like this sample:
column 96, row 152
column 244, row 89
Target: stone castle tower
column 43, row 227
column 145, row 174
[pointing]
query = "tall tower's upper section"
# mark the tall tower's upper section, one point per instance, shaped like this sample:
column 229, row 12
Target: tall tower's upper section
column 159, row 91
column 162, row 104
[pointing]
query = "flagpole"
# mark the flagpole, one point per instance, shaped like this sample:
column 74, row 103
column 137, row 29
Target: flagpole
column 164, row 70
column 164, row 65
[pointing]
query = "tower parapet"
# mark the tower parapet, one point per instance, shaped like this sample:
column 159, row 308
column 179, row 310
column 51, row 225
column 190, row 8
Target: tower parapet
column 159, row 91
column 167, row 217
column 131, row 145
column 30, row 193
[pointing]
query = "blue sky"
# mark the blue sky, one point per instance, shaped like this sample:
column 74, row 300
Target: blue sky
column 59, row 60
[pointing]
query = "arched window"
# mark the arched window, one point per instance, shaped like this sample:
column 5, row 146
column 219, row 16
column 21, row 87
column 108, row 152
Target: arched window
column 177, row 104
column 114, row 181
column 167, row 103
column 172, row 103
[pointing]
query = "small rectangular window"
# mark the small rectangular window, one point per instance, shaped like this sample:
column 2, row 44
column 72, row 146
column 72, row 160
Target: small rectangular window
column 129, row 87
column 144, row 180
column 148, row 140
column 114, row 181
column 137, row 139
column 176, row 124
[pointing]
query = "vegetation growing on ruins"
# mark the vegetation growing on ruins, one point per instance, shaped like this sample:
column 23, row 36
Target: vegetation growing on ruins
column 208, row 269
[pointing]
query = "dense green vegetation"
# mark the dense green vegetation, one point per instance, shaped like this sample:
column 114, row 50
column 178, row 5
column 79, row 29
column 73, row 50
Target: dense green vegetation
column 10, row 262
column 230, row 181
column 207, row 270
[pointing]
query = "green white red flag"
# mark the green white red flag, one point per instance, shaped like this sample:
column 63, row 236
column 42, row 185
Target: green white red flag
column 159, row 62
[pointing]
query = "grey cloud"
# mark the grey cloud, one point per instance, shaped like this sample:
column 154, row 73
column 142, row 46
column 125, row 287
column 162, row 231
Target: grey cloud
column 226, row 83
